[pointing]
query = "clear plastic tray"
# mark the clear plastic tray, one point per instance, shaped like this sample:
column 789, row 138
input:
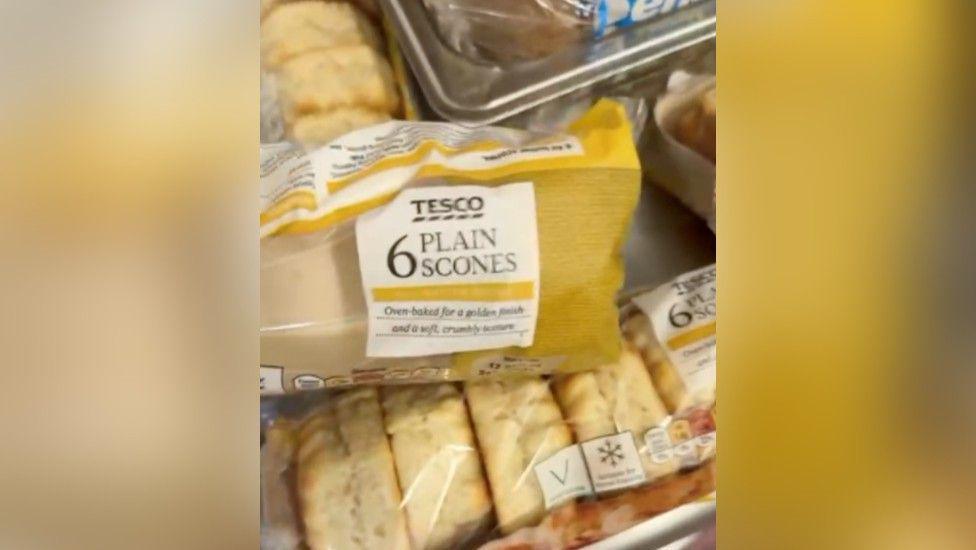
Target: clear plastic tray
column 471, row 92
column 662, row 531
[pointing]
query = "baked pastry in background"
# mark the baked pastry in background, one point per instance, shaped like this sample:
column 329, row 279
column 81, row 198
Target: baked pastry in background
column 325, row 80
column 267, row 6
column 321, row 128
column 326, row 62
column 300, row 27
column 369, row 7
column 696, row 127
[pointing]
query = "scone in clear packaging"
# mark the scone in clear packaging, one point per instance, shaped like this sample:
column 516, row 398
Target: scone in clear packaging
column 328, row 68
column 673, row 327
column 532, row 462
column 421, row 251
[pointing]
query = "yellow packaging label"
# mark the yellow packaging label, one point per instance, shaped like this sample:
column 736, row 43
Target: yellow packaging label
column 415, row 251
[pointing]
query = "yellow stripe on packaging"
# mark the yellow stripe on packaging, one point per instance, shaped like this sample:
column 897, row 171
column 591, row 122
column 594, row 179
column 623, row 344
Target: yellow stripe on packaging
column 472, row 292
column 691, row 336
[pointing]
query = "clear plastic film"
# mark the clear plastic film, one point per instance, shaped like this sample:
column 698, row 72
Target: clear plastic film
column 280, row 529
column 509, row 30
column 674, row 328
column 548, row 462
column 328, row 69
column 519, row 30
column 558, row 114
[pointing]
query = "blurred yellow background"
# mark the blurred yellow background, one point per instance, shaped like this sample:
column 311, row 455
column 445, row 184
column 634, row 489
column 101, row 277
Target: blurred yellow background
column 834, row 147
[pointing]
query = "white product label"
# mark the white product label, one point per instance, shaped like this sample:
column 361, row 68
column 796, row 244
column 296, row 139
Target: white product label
column 272, row 380
column 658, row 445
column 689, row 438
column 308, row 382
column 623, row 13
column 363, row 148
column 614, row 462
column 687, row 454
column 452, row 268
column 563, row 477
column 682, row 315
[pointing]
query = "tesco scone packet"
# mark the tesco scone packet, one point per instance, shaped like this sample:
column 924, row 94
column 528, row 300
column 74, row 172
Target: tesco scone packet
column 542, row 462
column 423, row 251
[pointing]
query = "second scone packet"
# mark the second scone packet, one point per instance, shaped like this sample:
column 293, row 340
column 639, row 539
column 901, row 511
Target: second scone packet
column 421, row 251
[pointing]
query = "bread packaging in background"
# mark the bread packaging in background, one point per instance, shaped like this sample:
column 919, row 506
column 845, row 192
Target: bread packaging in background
column 327, row 69
column 555, row 461
column 423, row 251
column 504, row 31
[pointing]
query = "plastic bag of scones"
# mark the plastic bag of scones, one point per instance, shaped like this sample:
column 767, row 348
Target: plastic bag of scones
column 328, row 69
column 535, row 462
column 422, row 251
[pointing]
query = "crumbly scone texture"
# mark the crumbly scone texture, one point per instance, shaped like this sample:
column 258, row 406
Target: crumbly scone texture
column 665, row 377
column 445, row 494
column 321, row 128
column 518, row 425
column 296, row 28
column 617, row 397
column 346, row 480
column 324, row 80
column 267, row 6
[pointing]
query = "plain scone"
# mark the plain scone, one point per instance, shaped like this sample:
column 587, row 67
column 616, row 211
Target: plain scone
column 445, row 496
column 325, row 80
column 267, row 6
column 518, row 425
column 637, row 329
column 321, row 128
column 346, row 481
column 613, row 398
column 299, row 27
